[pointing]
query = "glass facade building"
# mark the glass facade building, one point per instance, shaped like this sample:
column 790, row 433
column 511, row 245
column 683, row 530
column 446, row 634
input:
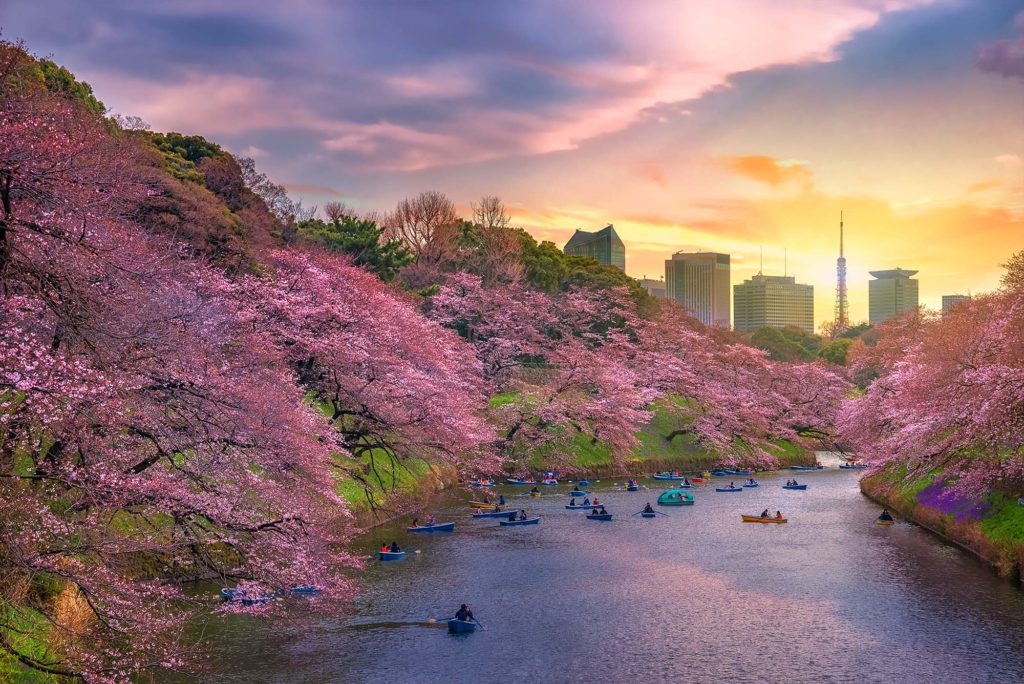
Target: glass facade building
column 950, row 301
column 604, row 246
column 774, row 301
column 699, row 281
column 891, row 292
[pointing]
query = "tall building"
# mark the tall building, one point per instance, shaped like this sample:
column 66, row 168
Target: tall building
column 842, row 320
column 950, row 301
column 699, row 281
column 775, row 301
column 604, row 245
column 655, row 288
column 891, row 292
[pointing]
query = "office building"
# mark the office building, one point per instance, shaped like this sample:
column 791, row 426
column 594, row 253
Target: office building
column 950, row 301
column 775, row 301
column 699, row 281
column 604, row 245
column 655, row 288
column 891, row 292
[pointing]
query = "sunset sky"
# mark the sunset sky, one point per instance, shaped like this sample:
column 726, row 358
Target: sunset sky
column 688, row 124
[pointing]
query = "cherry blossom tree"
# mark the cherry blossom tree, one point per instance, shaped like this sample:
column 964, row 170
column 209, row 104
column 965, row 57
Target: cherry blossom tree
column 949, row 393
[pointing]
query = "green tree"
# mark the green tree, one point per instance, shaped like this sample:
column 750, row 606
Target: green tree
column 855, row 331
column 362, row 240
column 57, row 79
column 786, row 344
column 835, row 351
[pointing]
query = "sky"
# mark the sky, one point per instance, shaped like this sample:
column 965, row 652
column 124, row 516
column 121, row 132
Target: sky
column 734, row 126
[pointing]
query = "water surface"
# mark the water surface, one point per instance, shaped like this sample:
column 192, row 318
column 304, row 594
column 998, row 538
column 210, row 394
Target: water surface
column 695, row 595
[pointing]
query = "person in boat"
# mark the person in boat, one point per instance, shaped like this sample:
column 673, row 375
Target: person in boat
column 686, row 481
column 596, row 502
column 464, row 614
column 487, row 496
column 512, row 516
column 886, row 516
column 535, row 490
column 572, row 501
column 594, row 512
column 586, row 501
column 647, row 508
column 415, row 522
column 732, row 485
column 765, row 514
column 522, row 515
column 384, row 547
column 497, row 508
column 795, row 483
column 778, row 515
column 394, row 548
column 603, row 512
column 501, row 500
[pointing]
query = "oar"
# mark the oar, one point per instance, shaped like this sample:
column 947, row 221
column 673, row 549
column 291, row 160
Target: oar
column 478, row 624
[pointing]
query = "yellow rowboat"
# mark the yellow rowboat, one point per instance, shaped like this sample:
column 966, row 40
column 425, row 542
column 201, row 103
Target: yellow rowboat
column 759, row 519
column 534, row 493
column 884, row 522
column 481, row 504
column 705, row 474
column 764, row 473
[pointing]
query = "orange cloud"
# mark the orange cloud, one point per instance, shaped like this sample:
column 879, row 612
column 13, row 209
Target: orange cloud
column 770, row 171
column 984, row 185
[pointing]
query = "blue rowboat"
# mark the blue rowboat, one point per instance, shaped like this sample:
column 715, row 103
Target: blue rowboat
column 306, row 590
column 599, row 516
column 513, row 481
column 632, row 488
column 579, row 493
column 813, row 467
column 852, row 466
column 391, row 555
column 490, row 514
column 719, row 473
column 801, row 487
column 728, row 489
column 751, row 485
column 513, row 523
column 647, row 515
column 675, row 497
column 580, row 507
column 667, row 476
column 583, row 483
column 461, row 626
column 731, row 471
column 236, row 596
column 439, row 527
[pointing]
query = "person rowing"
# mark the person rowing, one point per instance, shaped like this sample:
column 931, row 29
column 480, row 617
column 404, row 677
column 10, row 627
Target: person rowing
column 885, row 516
column 464, row 614
column 522, row 514
column 572, row 501
column 586, row 501
column 535, row 490
column 497, row 507
column 594, row 512
column 394, row 548
column 732, row 485
column 765, row 514
column 648, row 509
column 501, row 500
column 603, row 512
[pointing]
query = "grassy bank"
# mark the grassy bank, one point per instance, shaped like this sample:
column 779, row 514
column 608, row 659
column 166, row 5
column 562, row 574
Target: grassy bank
column 992, row 529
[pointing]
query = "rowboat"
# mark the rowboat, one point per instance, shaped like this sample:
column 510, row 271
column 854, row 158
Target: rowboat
column 700, row 479
column 514, row 481
column 534, row 493
column 461, row 626
column 482, row 483
column 578, row 493
column 751, row 484
column 675, row 497
column 885, row 522
column 235, row 595
column 852, row 466
column 759, row 519
column 484, row 504
column 667, row 476
column 583, row 483
column 719, row 473
column 647, row 515
column 813, row 467
column 729, row 489
column 491, row 514
column 437, row 527
column 391, row 555
column 512, row 523
column 800, row 487
column 549, row 481
column 579, row 507
column 632, row 488
column 599, row 516
column 731, row 471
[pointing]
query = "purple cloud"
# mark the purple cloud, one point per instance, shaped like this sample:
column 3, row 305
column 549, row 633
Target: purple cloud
column 1005, row 57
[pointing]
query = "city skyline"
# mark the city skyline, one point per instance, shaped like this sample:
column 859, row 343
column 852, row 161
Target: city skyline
column 905, row 114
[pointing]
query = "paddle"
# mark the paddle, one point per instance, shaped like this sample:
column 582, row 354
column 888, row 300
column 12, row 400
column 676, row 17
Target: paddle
column 478, row 624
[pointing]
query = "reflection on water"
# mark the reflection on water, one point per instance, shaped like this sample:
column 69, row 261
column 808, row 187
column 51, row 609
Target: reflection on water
column 695, row 596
